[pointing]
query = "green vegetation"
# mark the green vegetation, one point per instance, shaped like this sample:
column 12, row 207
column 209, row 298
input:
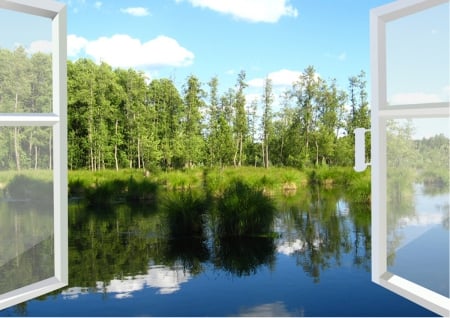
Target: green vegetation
column 185, row 213
column 117, row 120
column 244, row 211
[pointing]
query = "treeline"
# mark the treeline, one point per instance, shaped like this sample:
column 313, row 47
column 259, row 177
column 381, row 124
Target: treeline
column 25, row 87
column 117, row 119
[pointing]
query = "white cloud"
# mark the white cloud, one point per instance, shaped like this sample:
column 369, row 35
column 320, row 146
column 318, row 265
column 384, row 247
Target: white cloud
column 121, row 50
column 413, row 98
column 282, row 77
column 249, row 10
column 136, row 11
column 42, row 46
column 75, row 44
column 98, row 4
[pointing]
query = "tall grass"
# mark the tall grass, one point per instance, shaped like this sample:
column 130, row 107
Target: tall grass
column 243, row 210
column 185, row 213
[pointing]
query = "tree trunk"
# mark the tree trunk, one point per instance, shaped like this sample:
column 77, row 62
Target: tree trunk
column 35, row 157
column 115, row 148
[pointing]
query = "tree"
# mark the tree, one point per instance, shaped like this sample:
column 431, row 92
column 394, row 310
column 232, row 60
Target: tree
column 168, row 106
column 305, row 93
column 220, row 138
column 267, row 126
column 240, row 122
column 193, row 139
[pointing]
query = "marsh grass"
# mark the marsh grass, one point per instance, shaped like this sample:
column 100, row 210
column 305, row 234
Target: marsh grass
column 185, row 213
column 243, row 210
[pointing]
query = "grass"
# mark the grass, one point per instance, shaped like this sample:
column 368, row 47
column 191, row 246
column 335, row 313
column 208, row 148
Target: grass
column 243, row 211
column 185, row 213
column 133, row 186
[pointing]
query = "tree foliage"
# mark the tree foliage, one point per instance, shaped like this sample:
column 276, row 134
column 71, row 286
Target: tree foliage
column 117, row 119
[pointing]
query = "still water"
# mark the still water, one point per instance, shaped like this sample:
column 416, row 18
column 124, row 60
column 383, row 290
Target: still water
column 317, row 264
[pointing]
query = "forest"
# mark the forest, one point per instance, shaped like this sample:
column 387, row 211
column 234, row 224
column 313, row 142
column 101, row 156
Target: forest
column 118, row 119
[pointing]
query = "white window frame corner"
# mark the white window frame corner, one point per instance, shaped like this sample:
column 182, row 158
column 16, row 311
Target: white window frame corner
column 57, row 13
column 380, row 113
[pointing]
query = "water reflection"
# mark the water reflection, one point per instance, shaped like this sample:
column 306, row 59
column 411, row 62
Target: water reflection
column 127, row 246
column 26, row 233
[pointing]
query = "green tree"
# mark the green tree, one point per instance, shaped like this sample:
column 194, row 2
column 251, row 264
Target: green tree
column 168, row 106
column 240, row 121
column 267, row 126
column 192, row 128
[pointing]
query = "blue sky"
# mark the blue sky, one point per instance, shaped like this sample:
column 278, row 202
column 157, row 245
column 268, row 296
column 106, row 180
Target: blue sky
column 176, row 38
column 275, row 38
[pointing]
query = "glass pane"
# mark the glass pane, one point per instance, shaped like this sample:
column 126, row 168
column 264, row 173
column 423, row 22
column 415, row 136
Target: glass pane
column 418, row 193
column 417, row 58
column 26, row 206
column 25, row 63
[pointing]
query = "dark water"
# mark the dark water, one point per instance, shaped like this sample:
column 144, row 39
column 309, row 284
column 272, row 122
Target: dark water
column 122, row 264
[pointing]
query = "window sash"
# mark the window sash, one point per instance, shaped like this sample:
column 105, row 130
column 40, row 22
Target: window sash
column 58, row 120
column 380, row 113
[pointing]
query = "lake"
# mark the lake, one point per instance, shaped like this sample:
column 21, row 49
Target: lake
column 316, row 264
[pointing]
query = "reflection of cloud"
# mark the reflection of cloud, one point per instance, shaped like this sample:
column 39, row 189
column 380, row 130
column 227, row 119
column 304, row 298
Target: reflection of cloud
column 277, row 309
column 424, row 219
column 74, row 292
column 167, row 280
column 289, row 248
column 42, row 46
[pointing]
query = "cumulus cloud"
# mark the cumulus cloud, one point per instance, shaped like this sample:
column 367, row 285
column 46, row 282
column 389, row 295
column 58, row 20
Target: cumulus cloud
column 282, row 77
column 75, row 44
column 269, row 11
column 136, row 11
column 121, row 50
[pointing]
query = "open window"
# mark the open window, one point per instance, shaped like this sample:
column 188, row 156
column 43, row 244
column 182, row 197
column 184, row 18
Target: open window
column 410, row 150
column 33, row 160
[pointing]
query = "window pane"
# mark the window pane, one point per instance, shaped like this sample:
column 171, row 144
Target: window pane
column 25, row 63
column 417, row 58
column 26, row 207
column 418, row 201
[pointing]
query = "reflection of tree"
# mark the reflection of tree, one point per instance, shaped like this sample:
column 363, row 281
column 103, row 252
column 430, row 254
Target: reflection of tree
column 434, row 165
column 323, row 235
column 402, row 159
column 190, row 253
column 360, row 215
column 242, row 256
column 26, row 227
column 109, row 245
column 401, row 162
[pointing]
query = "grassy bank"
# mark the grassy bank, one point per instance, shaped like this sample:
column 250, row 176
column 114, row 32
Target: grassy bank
column 109, row 186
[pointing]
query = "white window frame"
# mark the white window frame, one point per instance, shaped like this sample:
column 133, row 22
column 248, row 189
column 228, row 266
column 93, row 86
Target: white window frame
column 58, row 120
column 381, row 112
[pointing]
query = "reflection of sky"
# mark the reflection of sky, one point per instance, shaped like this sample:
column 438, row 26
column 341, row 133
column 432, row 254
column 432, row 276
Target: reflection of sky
column 30, row 28
column 418, row 57
column 430, row 211
column 277, row 309
column 166, row 280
